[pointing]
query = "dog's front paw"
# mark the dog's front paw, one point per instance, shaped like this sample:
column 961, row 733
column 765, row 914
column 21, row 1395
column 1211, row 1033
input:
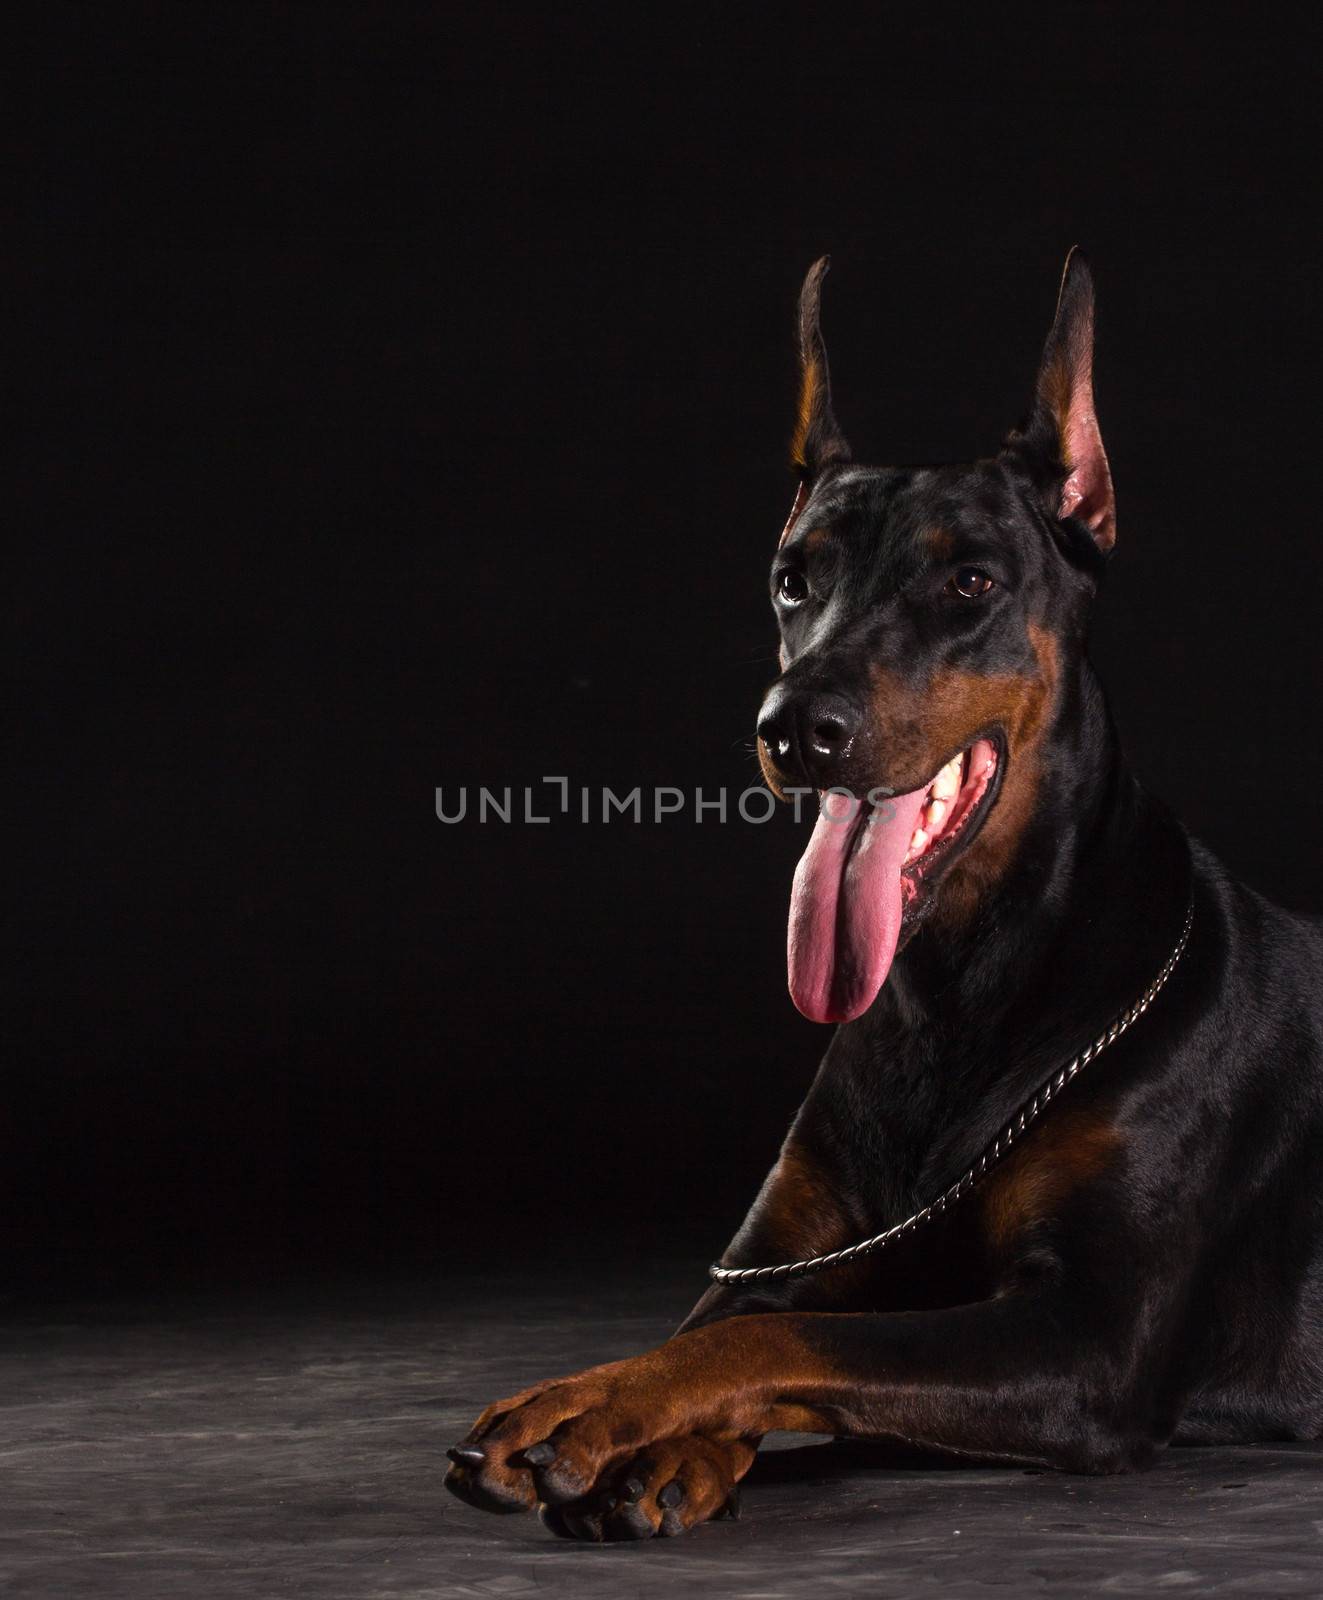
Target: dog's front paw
column 619, row 1451
column 481, row 1473
column 663, row 1491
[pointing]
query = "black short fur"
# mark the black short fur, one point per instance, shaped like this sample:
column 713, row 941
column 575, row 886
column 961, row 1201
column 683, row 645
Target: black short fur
column 1147, row 1264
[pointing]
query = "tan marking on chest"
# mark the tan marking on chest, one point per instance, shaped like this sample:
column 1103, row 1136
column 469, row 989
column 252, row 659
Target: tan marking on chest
column 800, row 1206
column 1058, row 1159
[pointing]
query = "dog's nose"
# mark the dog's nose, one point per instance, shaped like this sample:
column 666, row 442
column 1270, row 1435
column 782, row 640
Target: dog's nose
column 809, row 733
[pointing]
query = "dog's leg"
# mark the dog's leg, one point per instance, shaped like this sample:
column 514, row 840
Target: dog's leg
column 1018, row 1379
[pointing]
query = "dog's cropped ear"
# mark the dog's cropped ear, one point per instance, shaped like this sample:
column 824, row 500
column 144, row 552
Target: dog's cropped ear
column 1061, row 438
column 818, row 442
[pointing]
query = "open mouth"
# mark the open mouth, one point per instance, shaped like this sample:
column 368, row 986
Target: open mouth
column 863, row 877
column 954, row 804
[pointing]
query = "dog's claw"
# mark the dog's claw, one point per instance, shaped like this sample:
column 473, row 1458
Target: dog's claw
column 538, row 1455
column 731, row 1510
column 466, row 1455
column 553, row 1522
column 671, row 1494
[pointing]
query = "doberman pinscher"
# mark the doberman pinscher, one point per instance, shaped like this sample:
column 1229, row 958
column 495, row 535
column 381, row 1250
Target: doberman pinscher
column 1093, row 1212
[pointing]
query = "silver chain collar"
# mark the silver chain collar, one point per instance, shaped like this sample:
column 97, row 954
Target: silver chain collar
column 1014, row 1130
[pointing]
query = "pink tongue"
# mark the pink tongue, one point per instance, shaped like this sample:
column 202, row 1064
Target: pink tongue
column 846, row 905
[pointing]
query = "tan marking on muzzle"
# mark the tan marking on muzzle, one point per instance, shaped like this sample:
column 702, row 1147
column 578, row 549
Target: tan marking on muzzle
column 776, row 780
column 918, row 729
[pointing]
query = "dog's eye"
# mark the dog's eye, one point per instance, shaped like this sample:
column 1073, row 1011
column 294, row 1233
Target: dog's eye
column 792, row 587
column 972, row 582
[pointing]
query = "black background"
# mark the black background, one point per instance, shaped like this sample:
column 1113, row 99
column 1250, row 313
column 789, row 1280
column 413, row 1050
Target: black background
column 403, row 396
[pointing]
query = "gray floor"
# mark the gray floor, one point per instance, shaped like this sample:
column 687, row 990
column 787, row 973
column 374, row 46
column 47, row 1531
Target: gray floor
column 291, row 1444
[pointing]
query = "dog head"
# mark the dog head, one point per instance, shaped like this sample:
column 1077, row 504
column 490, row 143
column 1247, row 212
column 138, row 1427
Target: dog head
column 927, row 615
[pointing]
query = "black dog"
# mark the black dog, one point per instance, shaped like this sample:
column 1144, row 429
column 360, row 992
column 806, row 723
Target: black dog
column 1100, row 1206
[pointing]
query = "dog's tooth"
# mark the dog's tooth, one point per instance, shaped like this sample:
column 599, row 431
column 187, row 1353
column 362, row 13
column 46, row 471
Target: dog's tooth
column 934, row 815
column 918, row 844
column 946, row 784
